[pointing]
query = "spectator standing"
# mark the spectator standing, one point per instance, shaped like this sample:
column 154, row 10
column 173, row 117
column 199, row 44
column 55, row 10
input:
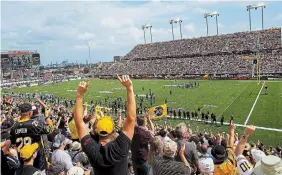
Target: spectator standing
column 140, row 145
column 224, row 158
column 60, row 155
column 190, row 152
column 166, row 165
column 30, row 131
column 28, row 154
column 108, row 156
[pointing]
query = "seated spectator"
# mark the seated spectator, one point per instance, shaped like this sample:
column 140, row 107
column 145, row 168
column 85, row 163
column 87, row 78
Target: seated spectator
column 28, row 154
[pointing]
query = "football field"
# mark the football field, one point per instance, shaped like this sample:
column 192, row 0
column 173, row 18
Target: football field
column 245, row 100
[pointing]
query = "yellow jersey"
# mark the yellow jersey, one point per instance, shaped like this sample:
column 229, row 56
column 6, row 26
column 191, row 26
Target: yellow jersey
column 74, row 134
column 228, row 167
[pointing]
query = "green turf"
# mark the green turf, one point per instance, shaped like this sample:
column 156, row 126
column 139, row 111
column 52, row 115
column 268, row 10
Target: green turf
column 221, row 97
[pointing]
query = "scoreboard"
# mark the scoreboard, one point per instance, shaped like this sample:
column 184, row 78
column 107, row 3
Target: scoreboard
column 19, row 59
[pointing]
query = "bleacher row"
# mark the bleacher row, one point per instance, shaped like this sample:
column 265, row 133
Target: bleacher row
column 224, row 54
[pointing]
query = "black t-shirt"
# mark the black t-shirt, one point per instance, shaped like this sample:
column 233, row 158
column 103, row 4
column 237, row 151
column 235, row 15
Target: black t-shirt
column 27, row 170
column 109, row 159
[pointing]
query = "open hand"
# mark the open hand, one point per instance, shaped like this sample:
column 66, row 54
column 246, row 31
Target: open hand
column 125, row 81
column 249, row 130
column 82, row 87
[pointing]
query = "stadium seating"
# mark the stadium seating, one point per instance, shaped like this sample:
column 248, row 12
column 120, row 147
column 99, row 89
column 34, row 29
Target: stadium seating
column 223, row 54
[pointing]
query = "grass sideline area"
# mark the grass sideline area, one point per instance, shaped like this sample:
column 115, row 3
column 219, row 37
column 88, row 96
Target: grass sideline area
column 230, row 97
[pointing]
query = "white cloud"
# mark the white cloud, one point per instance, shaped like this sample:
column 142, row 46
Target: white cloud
column 61, row 29
column 110, row 22
column 200, row 10
column 85, row 36
column 190, row 27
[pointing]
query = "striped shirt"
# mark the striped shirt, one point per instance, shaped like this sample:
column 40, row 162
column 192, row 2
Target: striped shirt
column 168, row 166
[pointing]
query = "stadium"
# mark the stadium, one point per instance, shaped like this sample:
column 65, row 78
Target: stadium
column 208, row 83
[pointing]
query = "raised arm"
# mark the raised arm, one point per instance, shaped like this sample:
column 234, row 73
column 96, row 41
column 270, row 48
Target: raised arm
column 231, row 135
column 47, row 111
column 129, row 123
column 78, row 110
column 150, row 124
column 243, row 140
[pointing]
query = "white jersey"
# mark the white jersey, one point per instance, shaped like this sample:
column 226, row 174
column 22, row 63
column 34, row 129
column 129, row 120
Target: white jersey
column 244, row 166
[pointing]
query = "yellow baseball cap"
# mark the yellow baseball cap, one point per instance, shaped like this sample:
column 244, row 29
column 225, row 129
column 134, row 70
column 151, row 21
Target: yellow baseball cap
column 27, row 151
column 105, row 126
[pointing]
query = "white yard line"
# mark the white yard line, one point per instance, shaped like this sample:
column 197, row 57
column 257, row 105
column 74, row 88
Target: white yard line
column 234, row 100
column 244, row 126
column 251, row 111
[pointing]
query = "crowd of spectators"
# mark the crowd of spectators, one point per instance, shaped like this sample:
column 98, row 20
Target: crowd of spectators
column 230, row 43
column 56, row 140
column 217, row 64
column 224, row 54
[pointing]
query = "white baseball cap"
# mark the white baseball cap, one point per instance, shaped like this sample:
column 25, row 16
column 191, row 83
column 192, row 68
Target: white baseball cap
column 257, row 154
column 206, row 165
column 75, row 171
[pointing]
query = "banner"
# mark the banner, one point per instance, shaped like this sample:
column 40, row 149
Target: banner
column 158, row 112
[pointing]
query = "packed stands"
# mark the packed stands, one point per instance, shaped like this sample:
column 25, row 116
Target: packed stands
column 224, row 54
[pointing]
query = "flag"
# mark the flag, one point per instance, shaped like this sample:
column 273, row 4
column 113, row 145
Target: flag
column 158, row 112
column 85, row 104
column 206, row 77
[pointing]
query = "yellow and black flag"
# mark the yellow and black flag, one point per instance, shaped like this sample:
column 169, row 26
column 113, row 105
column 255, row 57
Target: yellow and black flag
column 158, row 112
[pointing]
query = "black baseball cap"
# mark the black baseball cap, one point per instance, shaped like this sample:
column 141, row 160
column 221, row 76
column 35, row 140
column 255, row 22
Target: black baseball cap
column 26, row 107
column 219, row 153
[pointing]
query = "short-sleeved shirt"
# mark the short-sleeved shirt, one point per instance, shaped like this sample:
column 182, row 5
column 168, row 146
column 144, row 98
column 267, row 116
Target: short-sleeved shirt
column 228, row 167
column 109, row 159
column 27, row 170
column 140, row 145
column 168, row 166
column 190, row 152
column 61, row 156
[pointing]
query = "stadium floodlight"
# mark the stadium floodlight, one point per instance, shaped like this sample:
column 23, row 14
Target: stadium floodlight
column 88, row 44
column 211, row 14
column 250, row 7
column 143, row 27
column 171, row 21
column 178, row 20
column 148, row 26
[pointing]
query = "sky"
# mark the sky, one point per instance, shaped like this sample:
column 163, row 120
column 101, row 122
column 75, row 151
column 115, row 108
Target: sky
column 59, row 30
